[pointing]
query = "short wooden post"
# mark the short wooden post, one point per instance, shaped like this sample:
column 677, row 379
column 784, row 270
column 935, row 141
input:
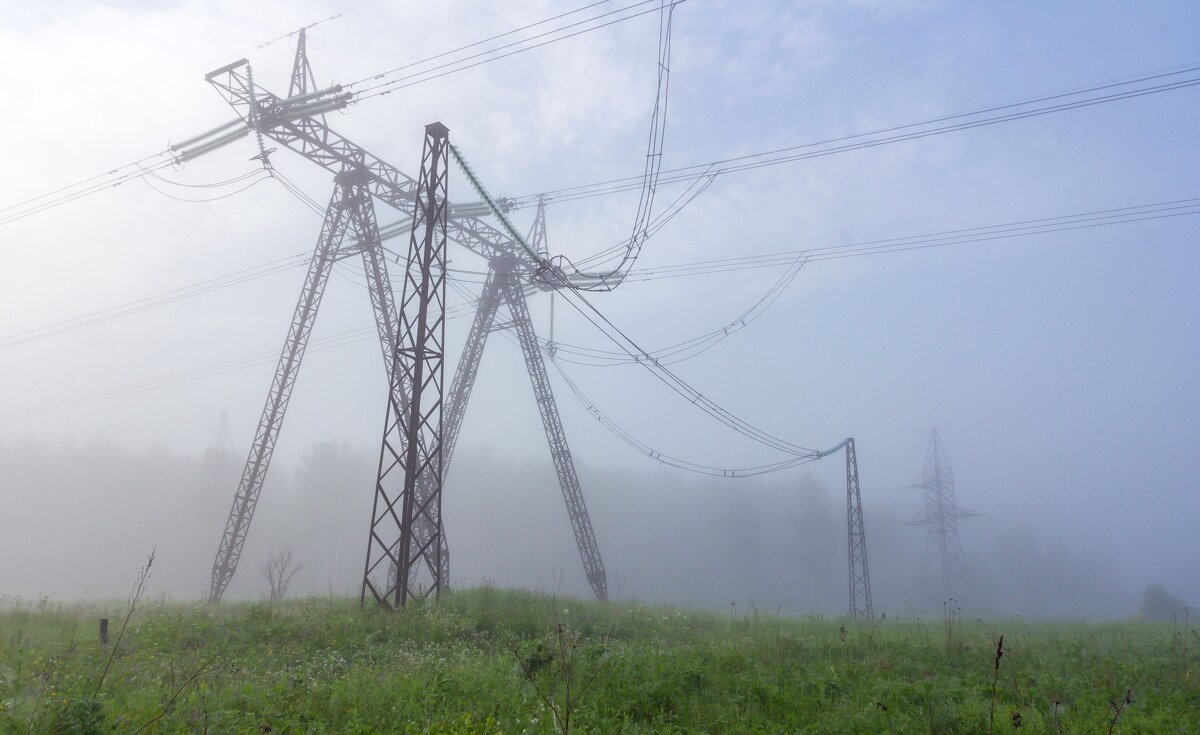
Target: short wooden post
column 104, row 631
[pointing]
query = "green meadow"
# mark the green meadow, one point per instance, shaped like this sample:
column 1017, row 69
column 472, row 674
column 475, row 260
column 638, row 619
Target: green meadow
column 495, row 661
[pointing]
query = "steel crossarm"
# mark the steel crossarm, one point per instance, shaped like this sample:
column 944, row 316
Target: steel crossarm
column 290, row 125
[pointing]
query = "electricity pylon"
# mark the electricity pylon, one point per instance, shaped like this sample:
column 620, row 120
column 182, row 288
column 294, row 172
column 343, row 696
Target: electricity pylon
column 860, row 576
column 349, row 229
column 218, row 461
column 943, row 557
column 856, row 536
column 397, row 550
column 297, row 122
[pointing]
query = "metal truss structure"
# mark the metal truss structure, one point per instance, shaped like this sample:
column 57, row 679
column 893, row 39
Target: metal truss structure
column 860, row 576
column 219, row 463
column 413, row 549
column 507, row 283
column 349, row 229
column 856, row 535
column 943, row 558
column 412, row 434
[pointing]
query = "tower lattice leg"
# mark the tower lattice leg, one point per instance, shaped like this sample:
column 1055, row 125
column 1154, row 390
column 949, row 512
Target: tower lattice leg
column 581, row 523
column 412, row 441
column 245, row 499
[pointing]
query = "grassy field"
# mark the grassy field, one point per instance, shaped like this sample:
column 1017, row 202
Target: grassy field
column 493, row 661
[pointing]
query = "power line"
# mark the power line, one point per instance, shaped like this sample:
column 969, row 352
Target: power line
column 121, row 174
column 1021, row 228
column 855, row 141
column 658, row 456
column 632, row 440
column 643, row 219
column 629, row 352
column 486, row 57
column 781, row 259
column 690, row 348
column 340, row 339
column 256, row 180
column 705, row 404
column 115, row 177
column 81, row 188
column 794, row 259
column 152, row 302
column 498, row 36
column 72, row 115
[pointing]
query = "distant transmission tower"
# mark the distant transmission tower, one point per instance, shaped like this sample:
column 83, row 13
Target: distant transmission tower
column 218, row 461
column 943, row 556
column 856, row 535
column 860, row 577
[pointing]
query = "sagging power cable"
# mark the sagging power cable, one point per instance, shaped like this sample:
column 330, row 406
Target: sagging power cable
column 643, row 219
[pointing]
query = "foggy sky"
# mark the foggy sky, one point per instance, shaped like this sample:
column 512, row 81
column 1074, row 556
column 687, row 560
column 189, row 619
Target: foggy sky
column 1059, row 368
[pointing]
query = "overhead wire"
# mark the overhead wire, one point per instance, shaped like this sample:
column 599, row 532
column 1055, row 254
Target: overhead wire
column 345, row 338
column 340, row 339
column 85, row 187
column 667, row 459
column 690, row 348
column 185, row 376
column 629, row 438
column 610, row 279
column 697, row 187
column 488, row 57
column 780, row 259
column 596, row 357
column 435, row 57
column 845, row 143
column 921, row 134
column 254, row 182
column 1062, row 223
column 114, row 177
column 207, row 185
column 799, row 455
column 674, row 382
column 164, row 298
column 72, row 114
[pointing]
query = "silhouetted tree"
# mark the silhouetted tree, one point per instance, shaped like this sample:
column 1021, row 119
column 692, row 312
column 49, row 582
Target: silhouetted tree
column 1158, row 604
column 279, row 570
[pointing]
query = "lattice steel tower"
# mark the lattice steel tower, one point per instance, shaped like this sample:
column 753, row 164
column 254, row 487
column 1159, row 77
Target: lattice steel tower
column 219, row 463
column 943, row 561
column 421, row 429
column 856, row 533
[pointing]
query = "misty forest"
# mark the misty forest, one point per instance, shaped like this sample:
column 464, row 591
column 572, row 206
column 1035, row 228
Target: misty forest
column 669, row 366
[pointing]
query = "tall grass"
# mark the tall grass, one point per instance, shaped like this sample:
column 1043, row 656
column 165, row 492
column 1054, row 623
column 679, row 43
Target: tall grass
column 327, row 665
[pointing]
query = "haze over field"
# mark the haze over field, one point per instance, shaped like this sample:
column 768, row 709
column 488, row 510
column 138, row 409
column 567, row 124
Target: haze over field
column 1060, row 368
